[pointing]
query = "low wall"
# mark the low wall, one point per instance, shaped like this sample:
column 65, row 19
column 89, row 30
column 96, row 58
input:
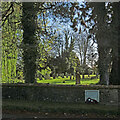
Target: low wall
column 59, row 93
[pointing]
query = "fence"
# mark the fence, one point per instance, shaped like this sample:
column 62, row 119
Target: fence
column 59, row 93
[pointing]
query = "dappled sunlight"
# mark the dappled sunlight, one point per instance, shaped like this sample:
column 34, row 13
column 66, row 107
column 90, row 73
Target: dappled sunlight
column 67, row 81
column 60, row 58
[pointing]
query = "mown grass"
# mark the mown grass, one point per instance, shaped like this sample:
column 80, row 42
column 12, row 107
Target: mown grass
column 61, row 81
column 67, row 81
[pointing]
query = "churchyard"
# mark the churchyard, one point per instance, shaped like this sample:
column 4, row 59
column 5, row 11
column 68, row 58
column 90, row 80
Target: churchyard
column 88, row 79
column 60, row 60
column 66, row 80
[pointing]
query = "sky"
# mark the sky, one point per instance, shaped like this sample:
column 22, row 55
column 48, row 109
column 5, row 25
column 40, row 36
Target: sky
column 60, row 27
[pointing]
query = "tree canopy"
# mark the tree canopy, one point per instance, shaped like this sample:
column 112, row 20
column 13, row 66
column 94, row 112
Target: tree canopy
column 42, row 39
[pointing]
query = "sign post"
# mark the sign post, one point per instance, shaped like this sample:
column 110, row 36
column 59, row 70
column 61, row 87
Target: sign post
column 92, row 94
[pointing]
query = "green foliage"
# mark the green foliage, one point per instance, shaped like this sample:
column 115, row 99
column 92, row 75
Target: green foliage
column 10, row 28
column 46, row 71
column 31, row 42
column 44, row 74
column 20, row 75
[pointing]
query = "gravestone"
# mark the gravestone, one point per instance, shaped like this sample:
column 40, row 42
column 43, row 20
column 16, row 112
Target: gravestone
column 66, row 74
column 57, row 75
column 62, row 75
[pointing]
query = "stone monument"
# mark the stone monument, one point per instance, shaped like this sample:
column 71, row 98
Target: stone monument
column 77, row 77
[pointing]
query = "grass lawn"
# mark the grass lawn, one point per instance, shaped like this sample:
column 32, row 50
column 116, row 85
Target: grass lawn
column 60, row 109
column 59, row 80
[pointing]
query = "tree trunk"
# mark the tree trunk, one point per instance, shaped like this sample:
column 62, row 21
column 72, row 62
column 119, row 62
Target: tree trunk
column 114, row 79
column 114, row 76
column 107, row 38
column 83, row 76
column 103, row 41
column 29, row 42
column 104, row 61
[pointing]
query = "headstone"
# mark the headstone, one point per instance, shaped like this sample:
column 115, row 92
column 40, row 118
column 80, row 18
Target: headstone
column 62, row 75
column 66, row 75
column 57, row 75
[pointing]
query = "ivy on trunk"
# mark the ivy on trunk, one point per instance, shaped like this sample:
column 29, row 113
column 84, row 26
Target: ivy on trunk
column 29, row 41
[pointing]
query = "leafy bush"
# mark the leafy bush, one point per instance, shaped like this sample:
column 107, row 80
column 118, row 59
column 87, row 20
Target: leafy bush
column 44, row 74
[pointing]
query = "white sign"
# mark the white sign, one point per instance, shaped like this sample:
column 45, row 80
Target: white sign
column 93, row 94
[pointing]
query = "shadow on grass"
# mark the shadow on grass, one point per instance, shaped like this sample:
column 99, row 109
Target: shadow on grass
column 55, row 108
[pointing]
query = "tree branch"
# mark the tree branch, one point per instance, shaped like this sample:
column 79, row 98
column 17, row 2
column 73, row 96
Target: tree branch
column 6, row 15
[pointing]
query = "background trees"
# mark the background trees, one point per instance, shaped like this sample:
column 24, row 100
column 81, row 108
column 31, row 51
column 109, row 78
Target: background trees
column 10, row 31
column 59, row 37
